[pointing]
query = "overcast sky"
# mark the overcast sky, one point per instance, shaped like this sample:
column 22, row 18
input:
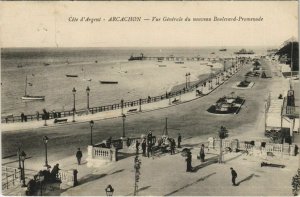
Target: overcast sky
column 45, row 24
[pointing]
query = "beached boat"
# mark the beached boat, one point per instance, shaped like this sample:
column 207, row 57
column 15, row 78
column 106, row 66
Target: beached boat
column 29, row 97
column 223, row 49
column 71, row 75
column 162, row 65
column 108, row 82
column 179, row 62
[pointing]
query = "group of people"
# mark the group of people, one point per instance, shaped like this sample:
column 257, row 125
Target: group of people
column 147, row 144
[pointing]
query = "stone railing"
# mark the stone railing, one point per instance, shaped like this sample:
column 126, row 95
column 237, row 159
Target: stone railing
column 109, row 154
column 262, row 147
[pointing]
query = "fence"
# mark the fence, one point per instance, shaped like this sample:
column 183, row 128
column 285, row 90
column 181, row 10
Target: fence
column 167, row 95
column 12, row 176
column 263, row 147
column 109, row 154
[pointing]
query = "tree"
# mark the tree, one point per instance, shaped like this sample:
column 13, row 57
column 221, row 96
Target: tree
column 223, row 133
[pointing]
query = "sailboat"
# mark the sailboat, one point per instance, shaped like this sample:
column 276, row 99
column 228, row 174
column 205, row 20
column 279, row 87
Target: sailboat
column 28, row 97
column 89, row 79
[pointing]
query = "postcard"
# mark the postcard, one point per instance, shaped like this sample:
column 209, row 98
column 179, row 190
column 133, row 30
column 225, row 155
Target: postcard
column 182, row 98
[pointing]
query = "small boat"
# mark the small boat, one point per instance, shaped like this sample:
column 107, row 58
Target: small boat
column 28, row 97
column 20, row 66
column 71, row 75
column 223, row 49
column 162, row 65
column 179, row 62
column 108, row 82
column 46, row 64
column 212, row 52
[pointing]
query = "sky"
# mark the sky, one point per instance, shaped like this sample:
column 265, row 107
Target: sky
column 47, row 24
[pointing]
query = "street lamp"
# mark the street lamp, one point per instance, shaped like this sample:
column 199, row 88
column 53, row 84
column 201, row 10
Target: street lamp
column 74, row 93
column 91, row 125
column 109, row 190
column 19, row 156
column 123, row 118
column 88, row 97
column 45, row 140
column 23, row 157
column 186, row 79
column 122, row 105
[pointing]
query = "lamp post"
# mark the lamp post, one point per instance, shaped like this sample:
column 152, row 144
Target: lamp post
column 88, row 98
column 91, row 125
column 122, row 105
column 23, row 157
column 186, row 79
column 109, row 190
column 19, row 157
column 74, row 93
column 123, row 118
column 45, row 140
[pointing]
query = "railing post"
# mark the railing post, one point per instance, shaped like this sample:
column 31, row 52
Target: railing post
column 75, row 181
column 140, row 103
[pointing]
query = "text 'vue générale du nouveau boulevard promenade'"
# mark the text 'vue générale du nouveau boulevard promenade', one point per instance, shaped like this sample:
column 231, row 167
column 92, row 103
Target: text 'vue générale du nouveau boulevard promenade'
column 235, row 133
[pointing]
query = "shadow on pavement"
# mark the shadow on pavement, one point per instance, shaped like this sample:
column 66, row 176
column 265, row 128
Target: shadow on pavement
column 141, row 189
column 90, row 177
column 208, row 162
column 125, row 155
column 118, row 171
column 247, row 178
column 201, row 179
column 234, row 157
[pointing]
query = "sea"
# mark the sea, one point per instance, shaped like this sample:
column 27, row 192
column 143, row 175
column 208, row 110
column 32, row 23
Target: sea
column 46, row 70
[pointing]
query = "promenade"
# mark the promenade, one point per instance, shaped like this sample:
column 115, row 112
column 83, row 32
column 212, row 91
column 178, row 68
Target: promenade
column 183, row 97
column 165, row 174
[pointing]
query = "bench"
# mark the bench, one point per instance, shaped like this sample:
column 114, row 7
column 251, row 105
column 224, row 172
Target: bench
column 132, row 110
column 60, row 120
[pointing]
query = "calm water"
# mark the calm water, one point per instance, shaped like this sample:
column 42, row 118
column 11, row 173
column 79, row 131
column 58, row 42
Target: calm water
column 137, row 79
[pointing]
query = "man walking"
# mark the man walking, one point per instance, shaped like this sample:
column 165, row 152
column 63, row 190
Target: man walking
column 137, row 144
column 179, row 141
column 144, row 147
column 234, row 175
column 189, row 161
column 78, row 156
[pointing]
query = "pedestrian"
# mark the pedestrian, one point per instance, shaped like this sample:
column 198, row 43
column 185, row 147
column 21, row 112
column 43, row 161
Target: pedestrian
column 179, row 141
column 79, row 156
column 189, row 161
column 234, row 175
column 296, row 150
column 173, row 145
column 149, row 151
column 144, row 145
column 54, row 172
column 22, row 117
column 137, row 144
column 202, row 154
column 149, row 137
column 108, row 142
column 37, row 115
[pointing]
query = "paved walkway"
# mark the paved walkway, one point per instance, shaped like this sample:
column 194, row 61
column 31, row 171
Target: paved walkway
column 117, row 113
